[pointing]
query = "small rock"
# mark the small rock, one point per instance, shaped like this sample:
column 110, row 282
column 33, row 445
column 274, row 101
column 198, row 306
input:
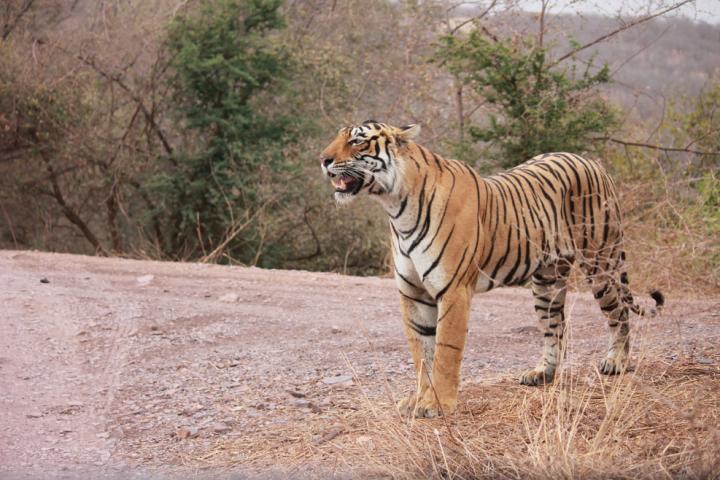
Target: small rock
column 229, row 297
column 220, row 428
column 145, row 279
column 704, row 360
column 300, row 403
column 34, row 415
column 296, row 394
column 329, row 435
column 526, row 330
column 338, row 379
column 102, row 435
column 187, row 432
column 44, row 280
column 335, row 329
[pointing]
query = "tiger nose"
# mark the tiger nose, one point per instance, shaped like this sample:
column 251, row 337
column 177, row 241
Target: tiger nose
column 327, row 161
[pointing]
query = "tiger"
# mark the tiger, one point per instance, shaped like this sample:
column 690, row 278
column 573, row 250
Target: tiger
column 455, row 233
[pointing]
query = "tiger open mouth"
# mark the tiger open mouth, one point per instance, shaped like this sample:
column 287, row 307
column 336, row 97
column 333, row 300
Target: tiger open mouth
column 345, row 183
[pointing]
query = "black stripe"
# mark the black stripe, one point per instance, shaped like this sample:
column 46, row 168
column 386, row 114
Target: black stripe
column 426, row 225
column 445, row 313
column 442, row 218
column 406, row 280
column 407, row 233
column 610, row 308
column 403, row 204
column 424, row 302
column 601, row 293
column 423, row 330
column 445, row 289
column 442, row 250
column 422, row 152
column 439, row 344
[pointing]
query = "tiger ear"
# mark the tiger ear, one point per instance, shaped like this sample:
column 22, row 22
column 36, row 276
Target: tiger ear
column 408, row 132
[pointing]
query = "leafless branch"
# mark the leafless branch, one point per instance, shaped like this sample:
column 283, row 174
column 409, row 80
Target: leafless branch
column 654, row 147
column 67, row 210
column 10, row 26
column 624, row 27
column 117, row 79
column 474, row 18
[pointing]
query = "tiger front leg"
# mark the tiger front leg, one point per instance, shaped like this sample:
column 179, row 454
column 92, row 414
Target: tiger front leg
column 420, row 320
column 440, row 398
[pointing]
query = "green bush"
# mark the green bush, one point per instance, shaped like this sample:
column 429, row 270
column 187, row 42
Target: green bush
column 226, row 71
column 537, row 109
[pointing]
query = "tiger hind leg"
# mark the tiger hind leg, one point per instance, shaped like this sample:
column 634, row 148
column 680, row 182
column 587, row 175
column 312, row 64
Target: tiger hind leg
column 549, row 288
column 613, row 300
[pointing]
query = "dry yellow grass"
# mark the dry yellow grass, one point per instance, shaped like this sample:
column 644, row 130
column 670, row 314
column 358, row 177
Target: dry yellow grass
column 658, row 421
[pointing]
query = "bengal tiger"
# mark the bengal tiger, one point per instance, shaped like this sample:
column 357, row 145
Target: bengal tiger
column 455, row 232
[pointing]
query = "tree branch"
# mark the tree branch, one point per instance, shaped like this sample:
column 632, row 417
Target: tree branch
column 653, row 147
column 9, row 27
column 474, row 18
column 626, row 26
column 69, row 213
column 139, row 101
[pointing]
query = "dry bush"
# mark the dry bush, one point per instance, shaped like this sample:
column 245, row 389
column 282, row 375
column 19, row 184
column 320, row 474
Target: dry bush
column 669, row 244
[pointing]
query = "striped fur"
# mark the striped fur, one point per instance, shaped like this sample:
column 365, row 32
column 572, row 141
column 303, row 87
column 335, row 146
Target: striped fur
column 454, row 233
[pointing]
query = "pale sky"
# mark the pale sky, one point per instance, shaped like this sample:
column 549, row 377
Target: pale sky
column 703, row 10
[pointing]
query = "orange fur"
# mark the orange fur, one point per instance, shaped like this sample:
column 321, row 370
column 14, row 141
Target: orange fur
column 454, row 232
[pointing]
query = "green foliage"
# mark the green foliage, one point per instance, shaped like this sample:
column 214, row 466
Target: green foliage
column 709, row 202
column 539, row 109
column 225, row 67
column 701, row 126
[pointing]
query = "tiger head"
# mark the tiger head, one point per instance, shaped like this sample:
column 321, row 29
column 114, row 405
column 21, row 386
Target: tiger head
column 366, row 157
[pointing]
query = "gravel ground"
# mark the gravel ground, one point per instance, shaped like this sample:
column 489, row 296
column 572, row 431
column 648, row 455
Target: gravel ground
column 120, row 368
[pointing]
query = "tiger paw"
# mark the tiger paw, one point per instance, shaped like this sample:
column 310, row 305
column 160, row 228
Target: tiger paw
column 537, row 376
column 427, row 407
column 406, row 406
column 613, row 365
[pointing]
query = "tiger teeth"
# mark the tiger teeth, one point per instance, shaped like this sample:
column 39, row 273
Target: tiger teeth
column 340, row 182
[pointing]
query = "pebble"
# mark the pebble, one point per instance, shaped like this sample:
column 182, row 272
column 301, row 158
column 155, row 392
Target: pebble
column 187, row 432
column 329, row 435
column 338, row 379
column 229, row 297
column 145, row 279
column 220, row 428
column 526, row 330
column 44, row 280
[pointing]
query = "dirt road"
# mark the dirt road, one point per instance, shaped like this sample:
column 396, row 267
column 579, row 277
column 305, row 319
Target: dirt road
column 115, row 367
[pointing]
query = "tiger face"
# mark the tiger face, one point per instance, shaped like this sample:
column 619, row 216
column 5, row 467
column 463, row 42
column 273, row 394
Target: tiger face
column 365, row 158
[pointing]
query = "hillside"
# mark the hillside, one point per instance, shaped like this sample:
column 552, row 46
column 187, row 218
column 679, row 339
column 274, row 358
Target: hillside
column 653, row 64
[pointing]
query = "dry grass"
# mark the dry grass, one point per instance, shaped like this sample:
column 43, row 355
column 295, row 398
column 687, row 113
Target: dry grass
column 654, row 423
column 658, row 421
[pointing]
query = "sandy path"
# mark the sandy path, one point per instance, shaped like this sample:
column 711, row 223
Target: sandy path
column 119, row 366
